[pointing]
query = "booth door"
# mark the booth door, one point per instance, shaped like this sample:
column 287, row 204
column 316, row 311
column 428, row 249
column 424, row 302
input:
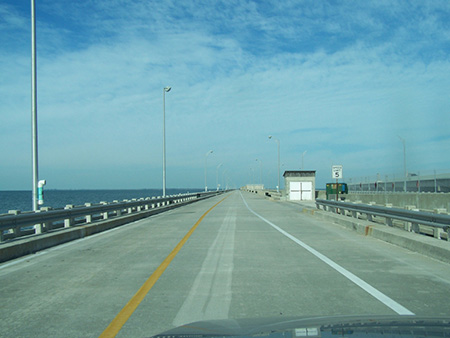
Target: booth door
column 295, row 191
column 300, row 191
column 306, row 191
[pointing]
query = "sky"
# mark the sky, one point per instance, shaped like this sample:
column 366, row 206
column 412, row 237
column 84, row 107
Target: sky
column 334, row 82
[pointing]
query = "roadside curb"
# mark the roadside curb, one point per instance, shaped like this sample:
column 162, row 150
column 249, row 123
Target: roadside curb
column 422, row 244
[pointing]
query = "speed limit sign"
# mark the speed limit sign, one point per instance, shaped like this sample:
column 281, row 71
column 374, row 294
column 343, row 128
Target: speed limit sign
column 336, row 172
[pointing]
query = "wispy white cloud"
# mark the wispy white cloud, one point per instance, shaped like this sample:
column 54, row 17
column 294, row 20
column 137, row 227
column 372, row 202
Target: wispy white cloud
column 342, row 81
column 10, row 18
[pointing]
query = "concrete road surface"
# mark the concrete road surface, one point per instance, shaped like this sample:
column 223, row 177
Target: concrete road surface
column 242, row 257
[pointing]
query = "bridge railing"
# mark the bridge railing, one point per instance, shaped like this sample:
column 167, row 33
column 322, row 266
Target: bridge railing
column 413, row 220
column 17, row 224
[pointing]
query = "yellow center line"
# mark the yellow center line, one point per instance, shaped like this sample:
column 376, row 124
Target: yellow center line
column 119, row 321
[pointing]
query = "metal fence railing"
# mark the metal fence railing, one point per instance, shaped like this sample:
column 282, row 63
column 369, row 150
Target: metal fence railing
column 414, row 221
column 420, row 182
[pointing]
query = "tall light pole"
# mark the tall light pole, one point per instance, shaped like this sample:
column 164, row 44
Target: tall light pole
column 165, row 90
column 34, row 129
column 223, row 182
column 303, row 155
column 404, row 162
column 217, row 175
column 278, row 142
column 206, row 157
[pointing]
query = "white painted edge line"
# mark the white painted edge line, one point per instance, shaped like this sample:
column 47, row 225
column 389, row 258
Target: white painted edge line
column 358, row 281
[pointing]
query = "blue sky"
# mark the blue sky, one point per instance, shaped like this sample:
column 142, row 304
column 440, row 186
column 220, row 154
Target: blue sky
column 341, row 80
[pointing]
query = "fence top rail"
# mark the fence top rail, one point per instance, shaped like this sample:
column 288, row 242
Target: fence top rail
column 7, row 221
column 436, row 220
column 390, row 192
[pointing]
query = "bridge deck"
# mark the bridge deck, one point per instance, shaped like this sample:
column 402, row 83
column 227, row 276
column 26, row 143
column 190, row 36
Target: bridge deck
column 248, row 257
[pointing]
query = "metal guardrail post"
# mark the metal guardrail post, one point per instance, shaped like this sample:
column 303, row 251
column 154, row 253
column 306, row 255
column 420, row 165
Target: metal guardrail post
column 38, row 228
column 105, row 215
column 389, row 221
column 139, row 207
column 412, row 227
column 437, row 233
column 119, row 210
column 47, row 225
column 89, row 216
column 68, row 221
column 129, row 209
column 16, row 230
column 42, row 227
column 407, row 226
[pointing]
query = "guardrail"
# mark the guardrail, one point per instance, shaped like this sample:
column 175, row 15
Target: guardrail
column 440, row 224
column 16, row 224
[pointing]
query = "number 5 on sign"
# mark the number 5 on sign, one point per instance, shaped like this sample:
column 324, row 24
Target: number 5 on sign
column 336, row 172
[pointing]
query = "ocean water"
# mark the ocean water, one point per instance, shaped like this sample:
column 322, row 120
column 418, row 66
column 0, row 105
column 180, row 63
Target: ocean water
column 22, row 200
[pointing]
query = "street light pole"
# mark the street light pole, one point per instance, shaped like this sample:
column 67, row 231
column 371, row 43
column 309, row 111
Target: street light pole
column 223, row 179
column 165, row 90
column 217, row 175
column 278, row 142
column 303, row 155
column 34, row 130
column 206, row 157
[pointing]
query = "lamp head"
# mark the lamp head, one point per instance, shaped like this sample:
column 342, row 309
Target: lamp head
column 167, row 89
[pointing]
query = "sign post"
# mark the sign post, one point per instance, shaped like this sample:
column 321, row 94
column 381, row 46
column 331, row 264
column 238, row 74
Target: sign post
column 336, row 172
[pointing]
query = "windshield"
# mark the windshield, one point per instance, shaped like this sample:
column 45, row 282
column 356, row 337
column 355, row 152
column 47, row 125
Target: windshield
column 275, row 104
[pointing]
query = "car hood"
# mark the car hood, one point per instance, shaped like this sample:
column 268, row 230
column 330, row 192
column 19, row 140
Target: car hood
column 316, row 327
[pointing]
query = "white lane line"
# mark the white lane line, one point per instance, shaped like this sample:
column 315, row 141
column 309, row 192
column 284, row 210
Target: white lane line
column 210, row 294
column 358, row 281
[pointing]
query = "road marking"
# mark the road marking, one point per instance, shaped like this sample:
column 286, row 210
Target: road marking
column 210, row 295
column 358, row 281
column 119, row 321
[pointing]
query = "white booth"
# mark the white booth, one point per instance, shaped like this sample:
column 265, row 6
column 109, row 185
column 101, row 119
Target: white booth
column 300, row 185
